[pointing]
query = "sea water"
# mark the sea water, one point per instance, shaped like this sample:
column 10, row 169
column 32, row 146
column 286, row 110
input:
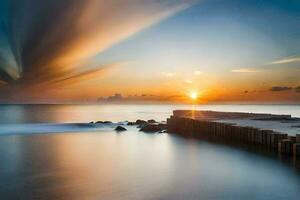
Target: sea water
column 62, row 161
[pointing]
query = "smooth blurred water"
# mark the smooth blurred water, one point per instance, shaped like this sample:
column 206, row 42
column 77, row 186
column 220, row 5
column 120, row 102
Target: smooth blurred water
column 107, row 165
column 133, row 166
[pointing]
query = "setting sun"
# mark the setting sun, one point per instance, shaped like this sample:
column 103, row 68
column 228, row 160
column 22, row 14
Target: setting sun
column 194, row 95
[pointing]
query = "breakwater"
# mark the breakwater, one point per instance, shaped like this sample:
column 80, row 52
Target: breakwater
column 206, row 125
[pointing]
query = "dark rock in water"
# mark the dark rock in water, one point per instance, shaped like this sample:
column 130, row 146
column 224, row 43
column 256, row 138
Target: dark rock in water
column 120, row 129
column 151, row 128
column 151, row 121
column 142, row 125
column 131, row 123
column 139, row 122
column 103, row 122
column 162, row 126
column 163, row 131
column 91, row 122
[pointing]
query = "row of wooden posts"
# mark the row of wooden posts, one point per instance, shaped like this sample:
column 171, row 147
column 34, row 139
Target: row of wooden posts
column 209, row 130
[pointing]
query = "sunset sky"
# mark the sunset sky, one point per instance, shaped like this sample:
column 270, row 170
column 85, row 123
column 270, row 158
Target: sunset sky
column 225, row 51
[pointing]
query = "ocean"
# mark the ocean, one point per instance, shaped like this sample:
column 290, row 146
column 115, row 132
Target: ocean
column 18, row 114
column 43, row 155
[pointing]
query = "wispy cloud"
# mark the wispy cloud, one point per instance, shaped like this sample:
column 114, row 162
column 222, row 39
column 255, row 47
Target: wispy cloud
column 286, row 60
column 245, row 70
column 188, row 81
column 198, row 73
column 169, row 74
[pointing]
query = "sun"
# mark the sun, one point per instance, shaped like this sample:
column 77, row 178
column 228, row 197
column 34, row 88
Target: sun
column 194, row 95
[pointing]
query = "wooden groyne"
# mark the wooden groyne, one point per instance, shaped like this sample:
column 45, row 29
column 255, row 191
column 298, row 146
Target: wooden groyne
column 202, row 125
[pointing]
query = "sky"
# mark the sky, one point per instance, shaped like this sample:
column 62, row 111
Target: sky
column 224, row 51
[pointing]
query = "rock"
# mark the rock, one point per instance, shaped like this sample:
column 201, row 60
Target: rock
column 163, row 131
column 142, row 125
column 163, row 126
column 103, row 122
column 120, row 129
column 151, row 128
column 139, row 122
column 131, row 123
column 151, row 121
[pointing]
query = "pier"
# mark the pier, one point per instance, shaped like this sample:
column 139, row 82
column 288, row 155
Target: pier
column 274, row 133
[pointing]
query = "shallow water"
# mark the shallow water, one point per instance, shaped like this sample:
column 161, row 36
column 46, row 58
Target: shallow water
column 133, row 165
column 107, row 165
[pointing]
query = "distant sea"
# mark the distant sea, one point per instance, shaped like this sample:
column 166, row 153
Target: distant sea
column 61, row 161
column 13, row 114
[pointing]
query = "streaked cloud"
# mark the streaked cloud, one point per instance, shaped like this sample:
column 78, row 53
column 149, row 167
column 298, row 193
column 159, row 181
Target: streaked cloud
column 286, row 60
column 47, row 47
column 88, row 75
column 245, row 70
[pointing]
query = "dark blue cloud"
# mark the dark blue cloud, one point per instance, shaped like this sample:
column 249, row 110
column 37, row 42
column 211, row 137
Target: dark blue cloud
column 280, row 88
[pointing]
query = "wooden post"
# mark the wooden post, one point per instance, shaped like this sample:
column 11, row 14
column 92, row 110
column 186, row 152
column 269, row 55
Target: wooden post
column 286, row 146
column 260, row 137
column 248, row 135
column 269, row 135
column 243, row 134
column 273, row 141
column 240, row 136
column 296, row 150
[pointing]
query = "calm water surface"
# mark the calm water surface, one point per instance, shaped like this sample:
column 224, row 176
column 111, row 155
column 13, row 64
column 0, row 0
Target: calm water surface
column 132, row 165
column 86, row 113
